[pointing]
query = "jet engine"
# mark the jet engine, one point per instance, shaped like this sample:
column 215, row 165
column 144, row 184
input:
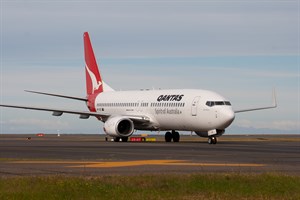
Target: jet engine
column 118, row 126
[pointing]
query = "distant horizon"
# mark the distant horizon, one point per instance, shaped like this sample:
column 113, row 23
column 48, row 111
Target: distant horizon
column 154, row 134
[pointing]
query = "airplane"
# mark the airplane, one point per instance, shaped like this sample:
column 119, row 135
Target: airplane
column 204, row 112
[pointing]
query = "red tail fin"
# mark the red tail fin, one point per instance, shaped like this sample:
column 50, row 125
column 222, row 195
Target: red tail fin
column 94, row 82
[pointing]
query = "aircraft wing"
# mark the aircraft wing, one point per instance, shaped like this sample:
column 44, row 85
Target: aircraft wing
column 274, row 105
column 82, row 114
column 253, row 109
column 58, row 95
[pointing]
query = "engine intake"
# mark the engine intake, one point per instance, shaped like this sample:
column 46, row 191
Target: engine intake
column 118, row 126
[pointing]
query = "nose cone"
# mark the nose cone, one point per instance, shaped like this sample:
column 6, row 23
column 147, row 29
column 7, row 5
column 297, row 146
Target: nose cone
column 227, row 116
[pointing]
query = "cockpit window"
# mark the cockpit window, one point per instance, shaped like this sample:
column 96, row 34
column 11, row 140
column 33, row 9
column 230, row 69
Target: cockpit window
column 218, row 103
column 210, row 103
column 227, row 103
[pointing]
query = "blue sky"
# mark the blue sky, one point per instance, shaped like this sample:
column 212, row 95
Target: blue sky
column 240, row 49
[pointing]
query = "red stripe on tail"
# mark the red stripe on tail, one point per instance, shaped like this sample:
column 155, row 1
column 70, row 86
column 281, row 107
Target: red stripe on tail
column 94, row 83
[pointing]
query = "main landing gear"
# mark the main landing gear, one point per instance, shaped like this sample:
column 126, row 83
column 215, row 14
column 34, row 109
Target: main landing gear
column 212, row 140
column 172, row 135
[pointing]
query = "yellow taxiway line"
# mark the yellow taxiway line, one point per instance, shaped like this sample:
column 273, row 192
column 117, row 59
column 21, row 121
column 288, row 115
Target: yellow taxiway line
column 93, row 164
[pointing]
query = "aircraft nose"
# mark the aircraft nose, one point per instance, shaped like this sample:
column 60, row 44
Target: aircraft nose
column 227, row 117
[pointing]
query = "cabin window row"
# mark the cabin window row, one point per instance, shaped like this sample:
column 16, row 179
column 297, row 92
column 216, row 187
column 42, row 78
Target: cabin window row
column 142, row 104
column 167, row 104
column 118, row 104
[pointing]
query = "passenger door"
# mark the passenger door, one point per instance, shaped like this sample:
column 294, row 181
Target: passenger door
column 195, row 106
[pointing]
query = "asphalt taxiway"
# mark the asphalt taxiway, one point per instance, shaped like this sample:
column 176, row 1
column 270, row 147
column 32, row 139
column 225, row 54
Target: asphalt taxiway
column 90, row 155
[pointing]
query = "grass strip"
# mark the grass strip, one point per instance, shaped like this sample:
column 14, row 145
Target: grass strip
column 194, row 186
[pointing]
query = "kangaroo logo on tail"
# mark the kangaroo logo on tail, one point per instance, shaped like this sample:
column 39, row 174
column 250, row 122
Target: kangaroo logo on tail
column 96, row 84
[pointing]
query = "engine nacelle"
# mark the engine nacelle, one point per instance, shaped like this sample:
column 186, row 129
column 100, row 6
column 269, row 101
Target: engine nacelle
column 210, row 133
column 118, row 126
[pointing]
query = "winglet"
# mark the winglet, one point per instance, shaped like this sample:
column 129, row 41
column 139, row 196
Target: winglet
column 274, row 98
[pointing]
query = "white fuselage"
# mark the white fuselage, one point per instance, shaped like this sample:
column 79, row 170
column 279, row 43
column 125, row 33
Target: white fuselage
column 182, row 109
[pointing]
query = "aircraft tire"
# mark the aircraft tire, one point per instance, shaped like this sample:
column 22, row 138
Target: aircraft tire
column 117, row 139
column 168, row 137
column 209, row 140
column 124, row 139
column 214, row 140
column 176, row 136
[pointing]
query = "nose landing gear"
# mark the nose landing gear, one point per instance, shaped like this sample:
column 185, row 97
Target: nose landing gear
column 212, row 140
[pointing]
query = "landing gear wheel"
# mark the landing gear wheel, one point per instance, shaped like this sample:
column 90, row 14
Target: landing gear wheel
column 117, row 139
column 176, row 136
column 212, row 140
column 124, row 139
column 168, row 137
column 209, row 140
